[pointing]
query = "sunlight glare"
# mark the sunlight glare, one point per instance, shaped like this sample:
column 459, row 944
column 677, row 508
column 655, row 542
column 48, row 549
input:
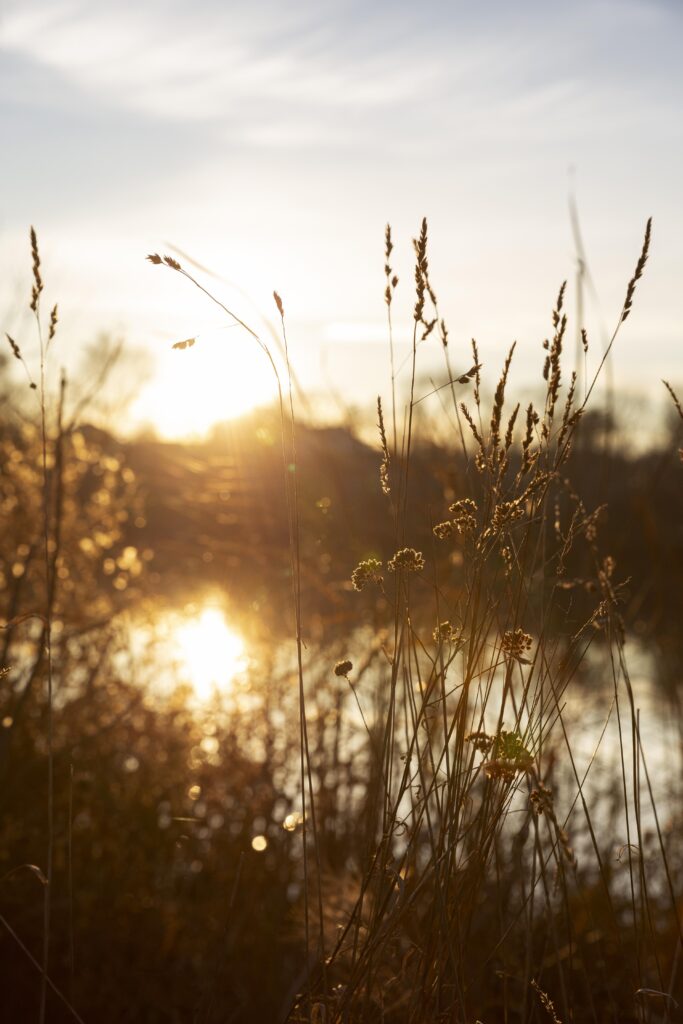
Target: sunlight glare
column 211, row 654
column 222, row 376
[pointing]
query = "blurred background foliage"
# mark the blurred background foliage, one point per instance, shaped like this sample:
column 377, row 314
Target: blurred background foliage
column 178, row 856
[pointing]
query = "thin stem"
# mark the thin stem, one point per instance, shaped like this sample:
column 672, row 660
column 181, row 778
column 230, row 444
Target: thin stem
column 47, row 906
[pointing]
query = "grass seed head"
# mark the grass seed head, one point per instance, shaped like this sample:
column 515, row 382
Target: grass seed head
column 443, row 530
column 447, row 633
column 367, row 571
column 407, row 559
column 638, row 273
column 516, row 644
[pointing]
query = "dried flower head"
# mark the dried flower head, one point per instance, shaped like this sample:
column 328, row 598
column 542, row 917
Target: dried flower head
column 444, row 530
column 367, row 571
column 407, row 559
column 515, row 644
column 541, row 800
column 509, row 757
column 481, row 741
column 342, row 668
column 446, row 633
column 498, row 769
column 506, row 513
column 464, row 515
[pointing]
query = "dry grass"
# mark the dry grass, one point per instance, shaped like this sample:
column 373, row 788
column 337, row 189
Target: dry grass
column 460, row 807
column 426, row 796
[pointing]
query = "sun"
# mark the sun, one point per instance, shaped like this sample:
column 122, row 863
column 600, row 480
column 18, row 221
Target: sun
column 211, row 654
column 223, row 375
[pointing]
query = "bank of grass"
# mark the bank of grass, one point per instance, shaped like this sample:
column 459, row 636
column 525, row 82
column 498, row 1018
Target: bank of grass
column 460, row 810
column 443, row 851
column 472, row 900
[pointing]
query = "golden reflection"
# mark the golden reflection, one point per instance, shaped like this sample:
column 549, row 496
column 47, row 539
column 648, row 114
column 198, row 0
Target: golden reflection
column 210, row 653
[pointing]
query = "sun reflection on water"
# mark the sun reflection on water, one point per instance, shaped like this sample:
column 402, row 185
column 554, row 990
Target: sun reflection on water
column 210, row 654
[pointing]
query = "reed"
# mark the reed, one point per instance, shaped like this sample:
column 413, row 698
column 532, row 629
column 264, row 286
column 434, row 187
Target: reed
column 437, row 843
column 473, row 724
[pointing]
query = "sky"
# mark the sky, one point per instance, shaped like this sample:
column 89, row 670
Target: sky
column 273, row 141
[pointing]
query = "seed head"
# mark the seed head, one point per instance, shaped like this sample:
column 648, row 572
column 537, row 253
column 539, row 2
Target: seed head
column 37, row 279
column 54, row 320
column 443, row 530
column 407, row 559
column 481, row 741
column 640, row 267
column 541, row 800
column 464, row 515
column 386, row 458
column 510, row 757
column 505, row 514
column 446, row 633
column 515, row 644
column 367, row 571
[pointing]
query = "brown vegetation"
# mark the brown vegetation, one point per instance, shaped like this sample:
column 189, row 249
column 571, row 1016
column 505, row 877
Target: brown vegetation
column 397, row 820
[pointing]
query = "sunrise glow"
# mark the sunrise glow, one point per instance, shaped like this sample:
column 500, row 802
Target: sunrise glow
column 224, row 374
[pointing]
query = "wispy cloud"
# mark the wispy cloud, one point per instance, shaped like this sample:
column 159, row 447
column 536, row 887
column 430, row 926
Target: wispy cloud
column 265, row 72
column 264, row 134
column 176, row 63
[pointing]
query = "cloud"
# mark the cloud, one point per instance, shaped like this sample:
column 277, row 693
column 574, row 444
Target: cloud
column 175, row 63
column 273, row 139
column 273, row 74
